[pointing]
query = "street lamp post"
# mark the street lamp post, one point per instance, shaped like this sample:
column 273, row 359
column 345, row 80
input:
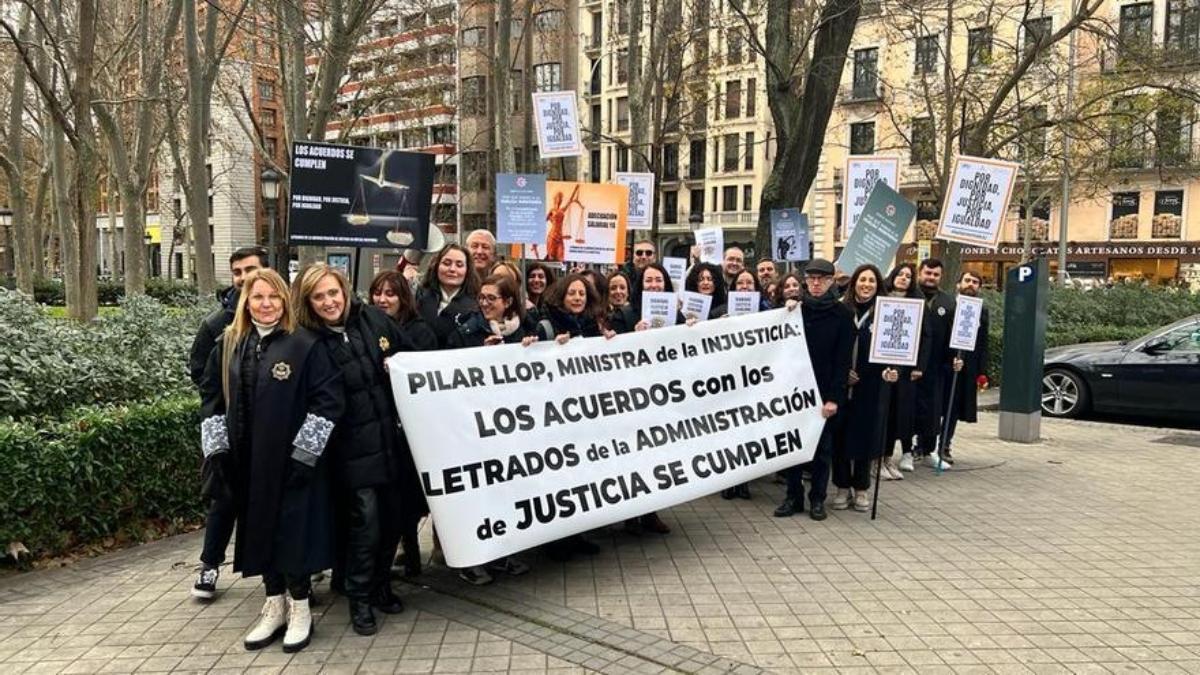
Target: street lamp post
column 7, row 242
column 269, row 182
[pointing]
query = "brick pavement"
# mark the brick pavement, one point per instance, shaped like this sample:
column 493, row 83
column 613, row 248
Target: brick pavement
column 1071, row 556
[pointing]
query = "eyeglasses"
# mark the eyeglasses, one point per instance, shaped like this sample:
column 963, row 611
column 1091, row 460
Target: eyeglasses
column 488, row 298
column 643, row 253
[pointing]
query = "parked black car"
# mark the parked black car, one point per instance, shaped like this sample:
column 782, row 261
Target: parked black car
column 1157, row 375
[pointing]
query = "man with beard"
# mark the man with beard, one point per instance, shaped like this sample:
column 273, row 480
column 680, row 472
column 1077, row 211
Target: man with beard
column 931, row 388
column 829, row 334
column 973, row 371
column 766, row 272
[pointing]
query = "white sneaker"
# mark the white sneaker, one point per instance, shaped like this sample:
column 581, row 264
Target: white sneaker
column 841, row 500
column 862, row 500
column 935, row 460
column 891, row 471
column 299, row 626
column 906, row 462
column 270, row 624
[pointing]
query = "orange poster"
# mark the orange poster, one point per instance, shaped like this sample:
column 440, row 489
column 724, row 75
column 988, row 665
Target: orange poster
column 585, row 223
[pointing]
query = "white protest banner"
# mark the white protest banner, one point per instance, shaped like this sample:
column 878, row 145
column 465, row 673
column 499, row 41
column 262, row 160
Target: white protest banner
column 980, row 190
column 968, row 311
column 641, row 198
column 659, row 309
column 861, row 175
column 696, row 305
column 517, row 446
column 711, row 241
column 676, row 270
column 743, row 302
column 557, row 121
column 896, row 330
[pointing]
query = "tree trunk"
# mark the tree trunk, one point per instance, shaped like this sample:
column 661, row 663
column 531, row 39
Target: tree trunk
column 22, row 252
column 37, row 228
column 84, row 182
column 115, row 269
column 502, row 76
column 199, row 98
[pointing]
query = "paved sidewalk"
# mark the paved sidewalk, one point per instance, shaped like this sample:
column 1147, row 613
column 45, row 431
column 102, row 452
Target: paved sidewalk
column 1080, row 554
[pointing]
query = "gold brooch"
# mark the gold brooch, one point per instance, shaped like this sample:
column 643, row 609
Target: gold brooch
column 281, row 371
column 384, row 344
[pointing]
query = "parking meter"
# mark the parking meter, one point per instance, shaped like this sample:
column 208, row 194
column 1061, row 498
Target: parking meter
column 1026, row 294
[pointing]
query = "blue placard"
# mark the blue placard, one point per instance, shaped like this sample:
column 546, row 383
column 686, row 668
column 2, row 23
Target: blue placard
column 521, row 208
column 789, row 235
column 885, row 219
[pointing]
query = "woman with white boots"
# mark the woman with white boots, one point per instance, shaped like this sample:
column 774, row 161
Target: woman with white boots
column 270, row 396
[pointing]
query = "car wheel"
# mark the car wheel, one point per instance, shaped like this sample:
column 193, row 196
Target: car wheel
column 1064, row 393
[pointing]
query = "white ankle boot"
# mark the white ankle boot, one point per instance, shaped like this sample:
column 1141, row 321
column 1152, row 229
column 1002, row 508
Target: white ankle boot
column 270, row 624
column 299, row 625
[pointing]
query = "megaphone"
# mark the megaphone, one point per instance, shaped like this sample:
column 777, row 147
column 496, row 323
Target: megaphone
column 434, row 242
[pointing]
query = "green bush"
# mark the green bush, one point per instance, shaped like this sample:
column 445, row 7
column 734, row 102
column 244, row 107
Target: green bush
column 48, row 365
column 110, row 293
column 99, row 472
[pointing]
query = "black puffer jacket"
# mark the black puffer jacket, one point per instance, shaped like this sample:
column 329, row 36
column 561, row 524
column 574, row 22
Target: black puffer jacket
column 461, row 315
column 210, row 331
column 562, row 322
column 365, row 439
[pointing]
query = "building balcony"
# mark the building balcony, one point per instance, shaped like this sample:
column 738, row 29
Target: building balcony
column 747, row 218
column 868, row 92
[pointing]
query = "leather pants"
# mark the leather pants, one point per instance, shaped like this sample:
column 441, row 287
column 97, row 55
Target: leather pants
column 372, row 532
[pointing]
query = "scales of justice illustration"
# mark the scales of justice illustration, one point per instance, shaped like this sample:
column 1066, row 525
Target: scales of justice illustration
column 385, row 205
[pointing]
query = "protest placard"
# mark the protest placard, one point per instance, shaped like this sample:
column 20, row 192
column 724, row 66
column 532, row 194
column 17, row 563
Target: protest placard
column 884, row 221
column 789, row 235
column 862, row 173
column 743, row 302
column 980, row 190
column 896, row 330
column 967, row 314
column 583, row 222
column 518, row 446
column 695, row 305
column 676, row 270
column 641, row 198
column 711, row 241
column 520, row 208
column 343, row 195
column 659, row 309
column 557, row 120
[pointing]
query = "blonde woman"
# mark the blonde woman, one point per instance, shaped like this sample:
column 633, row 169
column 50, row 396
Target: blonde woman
column 270, row 398
column 368, row 449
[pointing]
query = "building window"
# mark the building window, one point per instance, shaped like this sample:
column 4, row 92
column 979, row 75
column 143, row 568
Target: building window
column 1037, row 32
column 1173, row 133
column 547, row 76
column 594, row 165
column 670, row 161
column 1183, row 26
column 862, row 138
column 442, row 134
column 516, row 93
column 622, row 66
column 866, row 73
column 751, row 97
column 1128, row 133
column 747, row 197
column 1168, row 215
column 731, row 152
column 1032, row 145
column 623, row 17
column 1124, row 223
column 922, row 150
column 266, row 90
column 729, row 198
column 595, row 122
column 670, row 206
column 474, row 96
column 267, row 118
column 547, row 21
column 696, row 202
column 927, row 55
column 696, row 159
column 733, row 99
column 475, row 170
column 595, row 88
column 622, row 158
column 623, row 114
column 474, row 37
column 1135, row 34
column 749, row 151
column 733, row 48
column 979, row 46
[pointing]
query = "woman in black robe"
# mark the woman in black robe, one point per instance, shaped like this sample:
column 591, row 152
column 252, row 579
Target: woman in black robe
column 271, row 396
column 902, row 411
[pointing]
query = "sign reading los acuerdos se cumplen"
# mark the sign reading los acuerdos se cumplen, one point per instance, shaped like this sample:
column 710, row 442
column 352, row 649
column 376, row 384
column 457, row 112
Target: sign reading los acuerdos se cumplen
column 517, row 446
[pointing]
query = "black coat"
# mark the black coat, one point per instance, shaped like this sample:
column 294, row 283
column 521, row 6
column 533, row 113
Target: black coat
column 865, row 420
column 903, row 403
column 562, row 322
column 413, row 506
column 829, row 333
column 363, row 448
column 939, row 363
column 297, row 396
column 210, row 332
column 462, row 311
column 623, row 319
column 478, row 338
column 974, row 364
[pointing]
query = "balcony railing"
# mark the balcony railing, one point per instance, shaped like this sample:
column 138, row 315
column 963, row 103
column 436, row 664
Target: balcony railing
column 862, row 92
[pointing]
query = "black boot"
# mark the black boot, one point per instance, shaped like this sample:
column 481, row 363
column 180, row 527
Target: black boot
column 788, row 508
column 728, row 493
column 362, row 618
column 386, row 600
column 742, row 491
column 817, row 512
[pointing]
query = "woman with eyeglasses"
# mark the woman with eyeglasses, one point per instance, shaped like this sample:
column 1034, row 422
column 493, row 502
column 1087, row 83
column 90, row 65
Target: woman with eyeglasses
column 271, row 397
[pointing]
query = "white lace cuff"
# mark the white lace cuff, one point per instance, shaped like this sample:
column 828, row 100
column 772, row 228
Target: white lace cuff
column 214, row 435
column 311, row 439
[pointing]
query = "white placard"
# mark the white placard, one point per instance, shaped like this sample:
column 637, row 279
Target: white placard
column 556, row 115
column 676, row 270
column 517, row 446
column 743, row 302
column 967, row 314
column 711, row 241
column 896, row 330
column 696, row 305
column 659, row 309
column 861, row 175
column 641, row 198
column 977, row 206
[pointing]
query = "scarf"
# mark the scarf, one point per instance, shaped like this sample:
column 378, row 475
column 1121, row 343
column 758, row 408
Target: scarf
column 822, row 304
column 505, row 327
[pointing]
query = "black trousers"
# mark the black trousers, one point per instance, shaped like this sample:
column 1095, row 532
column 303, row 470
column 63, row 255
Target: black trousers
column 299, row 587
column 851, row 473
column 818, row 468
column 218, row 530
column 372, row 531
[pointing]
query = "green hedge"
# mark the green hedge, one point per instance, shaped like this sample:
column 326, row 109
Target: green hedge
column 108, row 293
column 99, row 473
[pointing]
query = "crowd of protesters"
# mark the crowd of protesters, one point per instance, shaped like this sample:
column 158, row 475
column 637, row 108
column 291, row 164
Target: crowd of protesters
column 305, row 456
